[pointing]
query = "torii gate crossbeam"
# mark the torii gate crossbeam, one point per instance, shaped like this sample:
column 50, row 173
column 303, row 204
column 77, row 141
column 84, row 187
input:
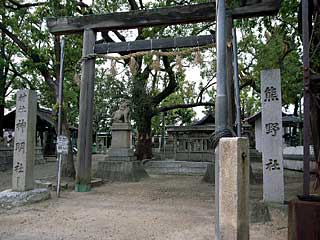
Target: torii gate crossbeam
column 89, row 25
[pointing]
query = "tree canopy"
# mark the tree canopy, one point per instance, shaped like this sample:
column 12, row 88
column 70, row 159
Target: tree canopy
column 29, row 57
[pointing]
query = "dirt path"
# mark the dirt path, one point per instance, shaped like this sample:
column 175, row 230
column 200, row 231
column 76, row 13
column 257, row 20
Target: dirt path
column 161, row 207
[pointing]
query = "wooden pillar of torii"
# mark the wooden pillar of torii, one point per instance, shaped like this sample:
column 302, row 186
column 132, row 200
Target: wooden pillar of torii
column 83, row 177
column 89, row 25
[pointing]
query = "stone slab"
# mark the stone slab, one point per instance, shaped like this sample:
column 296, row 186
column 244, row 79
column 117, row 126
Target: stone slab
column 63, row 186
column 121, row 126
column 176, row 167
column 38, row 183
column 120, row 152
column 122, row 171
column 233, row 216
column 10, row 199
column 96, row 182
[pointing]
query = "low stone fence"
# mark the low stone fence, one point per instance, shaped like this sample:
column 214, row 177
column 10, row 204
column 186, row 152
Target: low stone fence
column 193, row 151
column 6, row 157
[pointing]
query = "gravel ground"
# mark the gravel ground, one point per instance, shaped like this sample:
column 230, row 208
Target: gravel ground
column 161, row 207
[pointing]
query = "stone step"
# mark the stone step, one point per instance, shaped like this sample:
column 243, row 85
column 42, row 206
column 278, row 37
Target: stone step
column 42, row 184
column 96, row 182
column 176, row 167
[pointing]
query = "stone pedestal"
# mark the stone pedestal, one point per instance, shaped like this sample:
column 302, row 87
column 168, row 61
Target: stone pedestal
column 233, row 217
column 121, row 164
column 121, row 136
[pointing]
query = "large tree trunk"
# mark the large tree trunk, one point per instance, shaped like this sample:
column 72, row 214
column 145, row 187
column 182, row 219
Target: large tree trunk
column 144, row 143
column 68, row 169
column 144, row 138
column 142, row 107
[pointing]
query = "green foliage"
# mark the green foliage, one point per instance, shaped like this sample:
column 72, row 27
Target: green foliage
column 37, row 54
column 109, row 93
column 267, row 43
column 250, row 102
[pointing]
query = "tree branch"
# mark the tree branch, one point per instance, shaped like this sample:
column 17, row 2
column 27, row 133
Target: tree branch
column 251, row 83
column 133, row 5
column 29, row 52
column 188, row 105
column 18, row 74
column 209, row 84
column 172, row 85
column 141, row 4
column 16, row 40
column 120, row 36
column 23, row 5
column 203, row 28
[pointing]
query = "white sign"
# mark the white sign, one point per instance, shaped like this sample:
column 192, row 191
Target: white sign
column 62, row 144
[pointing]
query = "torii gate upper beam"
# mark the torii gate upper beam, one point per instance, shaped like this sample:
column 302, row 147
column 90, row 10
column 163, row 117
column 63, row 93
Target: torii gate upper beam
column 156, row 17
column 89, row 25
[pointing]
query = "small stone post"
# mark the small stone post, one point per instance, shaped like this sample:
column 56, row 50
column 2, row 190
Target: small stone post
column 234, row 189
column 272, row 159
column 24, row 140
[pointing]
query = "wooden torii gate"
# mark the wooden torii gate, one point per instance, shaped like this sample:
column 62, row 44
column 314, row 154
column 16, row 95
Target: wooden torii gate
column 90, row 24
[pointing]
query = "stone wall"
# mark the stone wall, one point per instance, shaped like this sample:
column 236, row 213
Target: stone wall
column 194, row 150
column 176, row 167
column 6, row 157
column 39, row 156
column 293, row 158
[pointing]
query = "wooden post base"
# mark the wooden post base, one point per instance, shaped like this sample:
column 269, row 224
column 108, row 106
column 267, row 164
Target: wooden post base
column 303, row 220
column 83, row 187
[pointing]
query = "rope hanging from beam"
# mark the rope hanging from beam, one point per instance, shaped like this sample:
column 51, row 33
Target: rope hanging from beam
column 145, row 53
column 178, row 54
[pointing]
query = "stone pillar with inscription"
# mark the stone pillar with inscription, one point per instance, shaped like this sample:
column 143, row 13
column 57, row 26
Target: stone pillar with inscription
column 272, row 159
column 24, row 140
